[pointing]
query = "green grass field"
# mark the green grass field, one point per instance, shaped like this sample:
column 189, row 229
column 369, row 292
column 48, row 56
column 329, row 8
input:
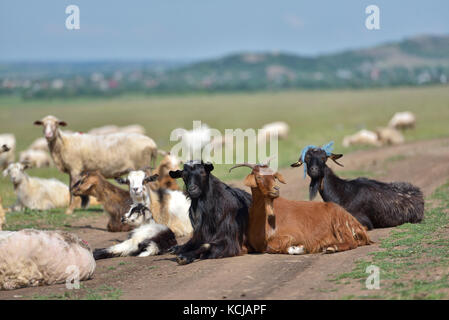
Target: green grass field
column 413, row 259
column 315, row 117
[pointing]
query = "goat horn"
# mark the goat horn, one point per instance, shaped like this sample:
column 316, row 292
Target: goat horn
column 337, row 162
column 252, row 166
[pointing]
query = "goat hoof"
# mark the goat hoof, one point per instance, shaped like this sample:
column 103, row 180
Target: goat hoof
column 68, row 211
column 183, row 260
column 330, row 249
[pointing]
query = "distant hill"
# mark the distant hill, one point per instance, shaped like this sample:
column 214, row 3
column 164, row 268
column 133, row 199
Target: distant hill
column 415, row 61
column 412, row 61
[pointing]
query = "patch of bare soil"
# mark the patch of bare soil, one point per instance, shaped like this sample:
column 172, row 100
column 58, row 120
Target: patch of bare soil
column 258, row 276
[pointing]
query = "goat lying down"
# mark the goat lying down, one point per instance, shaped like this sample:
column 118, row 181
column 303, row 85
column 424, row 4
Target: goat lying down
column 30, row 258
column 168, row 207
column 278, row 225
column 218, row 213
column 373, row 203
column 148, row 239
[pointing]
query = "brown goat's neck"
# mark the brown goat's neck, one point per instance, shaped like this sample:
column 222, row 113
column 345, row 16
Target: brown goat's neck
column 261, row 225
column 105, row 191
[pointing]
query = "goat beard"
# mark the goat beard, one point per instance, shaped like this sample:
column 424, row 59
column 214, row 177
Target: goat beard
column 314, row 187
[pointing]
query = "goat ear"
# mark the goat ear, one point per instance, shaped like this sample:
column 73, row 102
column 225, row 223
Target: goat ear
column 175, row 174
column 38, row 123
column 121, row 180
column 296, row 164
column 151, row 178
column 334, row 158
column 5, row 172
column 280, row 178
column 62, row 123
column 250, row 181
column 209, row 167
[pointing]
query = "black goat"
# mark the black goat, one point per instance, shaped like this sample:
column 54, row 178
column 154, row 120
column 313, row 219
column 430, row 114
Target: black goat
column 373, row 203
column 218, row 213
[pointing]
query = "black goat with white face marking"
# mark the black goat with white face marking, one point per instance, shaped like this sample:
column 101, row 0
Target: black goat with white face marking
column 373, row 203
column 218, row 213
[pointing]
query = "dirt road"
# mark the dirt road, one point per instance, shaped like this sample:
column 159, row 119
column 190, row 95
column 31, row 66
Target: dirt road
column 259, row 276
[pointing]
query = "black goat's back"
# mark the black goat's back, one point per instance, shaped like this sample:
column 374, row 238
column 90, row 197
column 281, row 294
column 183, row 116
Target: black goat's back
column 374, row 203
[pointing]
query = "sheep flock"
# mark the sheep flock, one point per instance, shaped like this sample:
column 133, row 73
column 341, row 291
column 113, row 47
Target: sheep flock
column 116, row 167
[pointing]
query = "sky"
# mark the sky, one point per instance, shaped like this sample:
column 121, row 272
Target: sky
column 200, row 29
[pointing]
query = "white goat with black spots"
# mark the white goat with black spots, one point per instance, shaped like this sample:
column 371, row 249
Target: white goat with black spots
column 168, row 207
column 148, row 239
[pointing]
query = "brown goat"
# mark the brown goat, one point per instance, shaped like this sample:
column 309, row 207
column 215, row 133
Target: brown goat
column 167, row 164
column 278, row 225
column 116, row 201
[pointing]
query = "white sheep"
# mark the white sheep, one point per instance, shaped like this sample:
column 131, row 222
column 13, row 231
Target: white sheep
column 35, row 158
column 108, row 129
column 403, row 120
column 279, row 127
column 7, row 156
column 30, row 258
column 36, row 193
column 147, row 239
column 112, row 155
column 133, row 128
column 39, row 144
column 363, row 137
column 104, row 130
column 168, row 207
column 2, row 214
column 389, row 136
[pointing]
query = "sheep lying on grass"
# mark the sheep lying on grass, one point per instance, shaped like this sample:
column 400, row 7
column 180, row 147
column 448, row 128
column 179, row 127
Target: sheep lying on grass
column 30, row 258
column 403, row 120
column 279, row 127
column 389, row 136
column 108, row 129
column 36, row 193
column 148, row 239
column 39, row 144
column 363, row 137
column 35, row 158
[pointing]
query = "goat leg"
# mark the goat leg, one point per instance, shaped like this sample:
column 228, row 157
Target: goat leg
column 189, row 257
column 72, row 202
column 339, row 247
